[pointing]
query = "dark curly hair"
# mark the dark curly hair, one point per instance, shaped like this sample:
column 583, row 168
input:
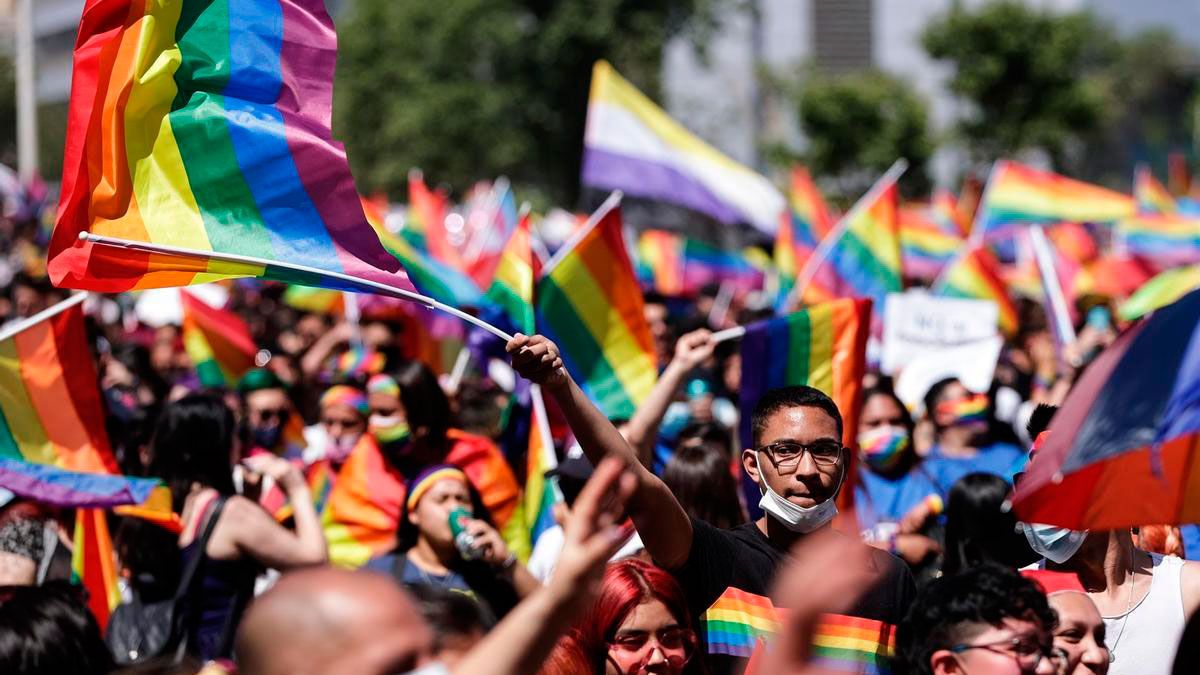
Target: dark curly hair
column 951, row 608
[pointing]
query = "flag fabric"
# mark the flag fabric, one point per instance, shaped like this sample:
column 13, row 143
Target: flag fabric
column 1018, row 194
column 735, row 623
column 925, row 244
column 156, row 508
column 849, row 644
column 705, row 264
column 93, row 565
column 975, row 274
column 541, row 492
column 50, row 407
column 1160, row 291
column 944, row 210
column 1151, row 196
column 318, row 300
column 500, row 221
column 1122, row 448
column 217, row 341
column 802, row 226
column 438, row 280
column 1113, row 276
column 511, row 289
column 867, row 257
column 47, row 484
column 660, row 261
column 632, row 145
column 206, row 126
column 1165, row 240
column 1179, row 178
column 589, row 304
column 425, row 221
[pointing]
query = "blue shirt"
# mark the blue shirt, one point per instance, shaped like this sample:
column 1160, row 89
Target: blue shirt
column 1001, row 459
column 883, row 499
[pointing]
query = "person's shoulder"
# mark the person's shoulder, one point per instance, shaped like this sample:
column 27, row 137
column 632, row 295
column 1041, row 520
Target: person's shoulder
column 383, row 564
column 460, row 437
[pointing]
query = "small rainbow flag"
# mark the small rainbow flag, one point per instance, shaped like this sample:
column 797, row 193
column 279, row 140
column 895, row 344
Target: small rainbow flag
column 425, row 221
column 1017, row 194
column 734, row 623
column 317, row 300
column 801, row 229
column 976, row 275
column 660, row 261
column 511, row 290
column 705, row 264
column 1151, row 196
column 217, row 341
column 50, row 485
column 541, row 492
column 50, row 407
column 205, row 126
column 867, row 257
column 486, row 246
column 944, row 209
column 589, row 303
column 1160, row 291
column 849, row 644
column 93, row 565
column 1166, row 240
column 925, row 245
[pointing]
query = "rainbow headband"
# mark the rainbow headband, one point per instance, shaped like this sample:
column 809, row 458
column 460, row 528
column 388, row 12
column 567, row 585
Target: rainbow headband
column 359, row 361
column 383, row 384
column 970, row 409
column 426, row 479
column 350, row 397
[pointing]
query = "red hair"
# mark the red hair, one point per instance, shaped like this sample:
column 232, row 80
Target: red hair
column 627, row 584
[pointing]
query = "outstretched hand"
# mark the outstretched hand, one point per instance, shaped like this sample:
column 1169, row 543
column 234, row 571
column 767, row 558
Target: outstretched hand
column 538, row 360
column 694, row 348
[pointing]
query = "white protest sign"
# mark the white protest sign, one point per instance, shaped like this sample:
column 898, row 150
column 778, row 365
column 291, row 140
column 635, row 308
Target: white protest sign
column 916, row 324
column 973, row 364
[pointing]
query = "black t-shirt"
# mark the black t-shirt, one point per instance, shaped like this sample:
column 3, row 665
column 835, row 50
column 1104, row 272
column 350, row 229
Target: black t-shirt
column 727, row 579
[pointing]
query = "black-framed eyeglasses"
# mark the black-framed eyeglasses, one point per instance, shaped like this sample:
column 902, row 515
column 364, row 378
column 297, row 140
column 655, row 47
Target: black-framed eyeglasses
column 1027, row 652
column 785, row 455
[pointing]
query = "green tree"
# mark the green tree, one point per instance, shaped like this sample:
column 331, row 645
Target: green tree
column 857, row 125
column 1029, row 77
column 471, row 89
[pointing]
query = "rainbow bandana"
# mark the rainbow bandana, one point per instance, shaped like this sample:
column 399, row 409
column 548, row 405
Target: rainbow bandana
column 427, row 478
column 350, row 397
column 883, row 447
column 383, row 384
column 965, row 410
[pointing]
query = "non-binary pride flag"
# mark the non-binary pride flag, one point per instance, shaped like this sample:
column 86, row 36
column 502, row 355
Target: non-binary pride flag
column 589, row 303
column 1018, row 194
column 632, row 145
column 217, row 341
column 50, row 407
column 204, row 125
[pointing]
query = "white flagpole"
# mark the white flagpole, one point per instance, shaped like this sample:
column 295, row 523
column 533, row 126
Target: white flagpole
column 1054, row 291
column 728, row 334
column 25, row 324
column 609, row 204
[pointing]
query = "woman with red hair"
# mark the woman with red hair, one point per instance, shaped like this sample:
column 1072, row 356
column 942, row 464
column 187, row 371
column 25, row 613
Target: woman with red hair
column 640, row 624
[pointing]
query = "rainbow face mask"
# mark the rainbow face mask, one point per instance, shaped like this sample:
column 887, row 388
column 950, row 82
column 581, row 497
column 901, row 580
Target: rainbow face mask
column 882, row 448
column 965, row 411
column 391, row 432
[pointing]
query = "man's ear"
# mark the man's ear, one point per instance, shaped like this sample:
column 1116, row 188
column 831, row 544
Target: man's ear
column 944, row 662
column 750, row 465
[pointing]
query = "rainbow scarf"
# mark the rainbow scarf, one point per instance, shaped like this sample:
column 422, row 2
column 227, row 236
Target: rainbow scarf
column 589, row 303
column 976, row 275
column 93, row 565
column 867, row 257
column 511, row 290
column 1016, row 193
column 205, row 125
column 217, row 341
column 1151, row 196
column 925, row 245
column 967, row 410
column 50, row 407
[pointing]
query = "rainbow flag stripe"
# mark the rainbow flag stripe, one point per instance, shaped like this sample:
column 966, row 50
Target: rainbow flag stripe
column 50, row 407
column 93, row 564
column 1151, row 196
column 736, row 621
column 205, row 125
column 632, row 145
column 867, row 257
column 71, row 489
column 705, row 264
column 660, row 261
column 925, row 244
column 511, row 289
column 976, row 275
column 217, row 341
column 541, row 493
column 589, row 303
column 1016, row 193
column 1160, row 291
column 849, row 644
column 801, row 229
column 1165, row 239
column 430, row 276
column 425, row 221
column 318, row 300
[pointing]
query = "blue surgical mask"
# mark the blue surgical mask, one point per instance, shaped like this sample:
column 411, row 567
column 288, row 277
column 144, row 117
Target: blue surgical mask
column 1056, row 544
column 266, row 437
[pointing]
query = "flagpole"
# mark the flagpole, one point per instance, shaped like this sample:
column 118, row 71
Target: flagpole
column 728, row 334
column 1054, row 291
column 381, row 288
column 614, row 199
column 25, row 324
column 814, row 262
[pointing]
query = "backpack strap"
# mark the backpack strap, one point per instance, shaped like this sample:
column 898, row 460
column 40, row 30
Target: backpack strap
column 176, row 645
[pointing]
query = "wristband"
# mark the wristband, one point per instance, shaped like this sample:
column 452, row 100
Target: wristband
column 509, row 562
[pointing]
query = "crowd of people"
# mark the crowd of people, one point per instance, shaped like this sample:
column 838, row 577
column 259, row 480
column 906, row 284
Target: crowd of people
column 347, row 507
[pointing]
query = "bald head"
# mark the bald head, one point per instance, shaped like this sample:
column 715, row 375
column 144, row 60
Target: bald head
column 328, row 620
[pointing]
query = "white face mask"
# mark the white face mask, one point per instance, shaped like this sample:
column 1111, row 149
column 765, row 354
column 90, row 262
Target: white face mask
column 1053, row 543
column 339, row 448
column 802, row 519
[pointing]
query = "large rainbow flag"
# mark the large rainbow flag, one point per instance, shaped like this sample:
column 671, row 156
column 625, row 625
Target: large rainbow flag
column 511, row 289
column 50, row 407
column 1018, row 194
column 217, row 341
column 589, row 303
column 93, row 565
column 975, row 274
column 204, row 126
column 867, row 256
column 1151, row 196
column 632, row 145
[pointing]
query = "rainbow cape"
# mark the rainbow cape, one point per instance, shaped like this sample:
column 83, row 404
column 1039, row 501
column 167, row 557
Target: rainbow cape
column 867, row 257
column 1160, row 291
column 1017, row 194
column 926, row 246
column 589, row 303
column 205, row 126
column 50, row 407
column 1151, row 196
column 975, row 274
column 93, row 565
column 632, row 145
column 217, row 341
column 511, row 290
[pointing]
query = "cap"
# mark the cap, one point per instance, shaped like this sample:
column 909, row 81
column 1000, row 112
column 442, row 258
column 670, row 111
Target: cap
column 257, row 379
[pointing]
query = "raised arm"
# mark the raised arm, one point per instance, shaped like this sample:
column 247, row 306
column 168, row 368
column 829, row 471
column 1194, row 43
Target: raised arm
column 660, row 520
column 690, row 351
column 255, row 534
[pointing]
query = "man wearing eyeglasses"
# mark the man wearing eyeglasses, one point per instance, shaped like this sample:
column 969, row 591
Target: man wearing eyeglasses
column 799, row 464
column 986, row 620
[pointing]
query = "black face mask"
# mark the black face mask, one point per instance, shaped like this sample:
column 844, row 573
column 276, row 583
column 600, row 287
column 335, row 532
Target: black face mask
column 266, row 437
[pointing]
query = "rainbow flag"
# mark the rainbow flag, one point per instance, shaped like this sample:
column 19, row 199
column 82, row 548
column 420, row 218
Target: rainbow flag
column 1151, row 196
column 429, row 275
column 589, row 303
column 849, row 644
column 50, row 407
column 50, row 485
column 735, row 623
column 925, row 244
column 1167, row 240
column 705, row 264
column 944, row 210
column 541, row 492
column 660, row 261
column 801, row 229
column 1179, row 177
column 487, row 244
column 1160, row 291
column 632, row 145
column 362, row 508
column 1018, row 194
column 823, row 346
column 975, row 274
column 205, row 126
column 425, row 221
column 156, row 508
column 867, row 257
column 93, row 565
column 511, row 290
column 217, row 341
column 317, row 300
